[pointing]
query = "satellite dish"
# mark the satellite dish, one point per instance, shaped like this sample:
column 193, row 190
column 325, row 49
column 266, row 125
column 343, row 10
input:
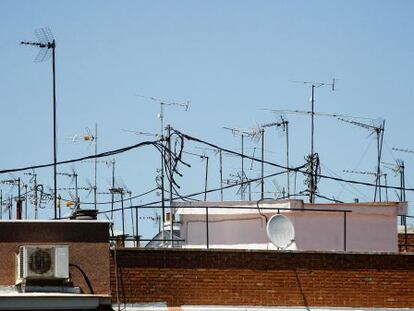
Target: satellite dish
column 280, row 231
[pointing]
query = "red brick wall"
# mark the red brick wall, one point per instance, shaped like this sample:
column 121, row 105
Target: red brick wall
column 213, row 277
column 88, row 249
column 406, row 246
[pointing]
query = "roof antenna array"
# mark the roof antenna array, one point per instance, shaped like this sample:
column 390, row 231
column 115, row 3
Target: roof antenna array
column 284, row 124
column 47, row 45
column 255, row 135
column 379, row 131
column 312, row 186
column 162, row 103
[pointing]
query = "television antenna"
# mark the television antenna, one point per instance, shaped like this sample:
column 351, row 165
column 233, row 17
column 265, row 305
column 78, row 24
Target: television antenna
column 379, row 132
column 284, row 124
column 398, row 168
column 47, row 45
column 255, row 134
column 313, row 85
column 162, row 102
column 216, row 152
column 120, row 191
column 372, row 174
column 15, row 182
column 73, row 178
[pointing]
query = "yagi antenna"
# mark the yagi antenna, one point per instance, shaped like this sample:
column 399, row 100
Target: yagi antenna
column 47, row 45
column 318, row 84
column 312, row 178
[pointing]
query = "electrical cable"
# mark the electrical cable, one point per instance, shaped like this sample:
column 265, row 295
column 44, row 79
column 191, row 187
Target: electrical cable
column 99, row 155
column 297, row 169
column 202, row 192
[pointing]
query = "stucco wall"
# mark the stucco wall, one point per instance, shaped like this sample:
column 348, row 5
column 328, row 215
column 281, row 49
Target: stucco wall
column 366, row 228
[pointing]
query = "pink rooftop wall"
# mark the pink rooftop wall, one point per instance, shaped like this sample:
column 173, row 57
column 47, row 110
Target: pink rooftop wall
column 368, row 228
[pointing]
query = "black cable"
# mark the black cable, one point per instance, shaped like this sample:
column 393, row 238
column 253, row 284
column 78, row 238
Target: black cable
column 99, row 155
column 200, row 193
column 297, row 169
column 117, row 201
column 84, row 276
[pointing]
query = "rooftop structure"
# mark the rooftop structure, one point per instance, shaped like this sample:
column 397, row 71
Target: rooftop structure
column 367, row 227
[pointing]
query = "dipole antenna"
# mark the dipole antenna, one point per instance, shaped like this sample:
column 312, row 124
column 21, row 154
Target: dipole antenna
column 162, row 103
column 47, row 45
column 254, row 134
column 285, row 126
column 379, row 132
column 313, row 85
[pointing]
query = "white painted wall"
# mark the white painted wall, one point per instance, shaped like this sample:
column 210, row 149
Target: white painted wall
column 370, row 227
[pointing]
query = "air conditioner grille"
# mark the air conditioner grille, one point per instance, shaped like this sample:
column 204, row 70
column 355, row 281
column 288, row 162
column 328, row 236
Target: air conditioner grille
column 40, row 261
column 21, row 264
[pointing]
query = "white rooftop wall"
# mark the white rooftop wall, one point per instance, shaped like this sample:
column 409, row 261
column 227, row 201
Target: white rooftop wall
column 368, row 227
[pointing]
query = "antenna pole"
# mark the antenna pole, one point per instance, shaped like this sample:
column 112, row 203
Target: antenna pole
column 136, row 221
column 18, row 202
column 262, row 164
column 123, row 217
column 75, row 175
column 162, row 166
column 1, row 204
column 10, row 206
column 221, row 174
column 242, row 165
column 402, row 177
column 25, row 201
column 206, row 179
column 95, row 165
column 311, row 184
column 36, row 198
column 54, row 130
column 113, row 187
column 380, row 138
column 286, row 123
column 170, row 185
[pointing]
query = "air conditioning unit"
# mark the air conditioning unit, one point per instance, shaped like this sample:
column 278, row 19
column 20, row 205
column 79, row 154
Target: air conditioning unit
column 42, row 263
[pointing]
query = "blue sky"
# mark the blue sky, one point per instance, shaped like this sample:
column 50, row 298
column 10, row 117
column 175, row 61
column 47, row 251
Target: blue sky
column 230, row 59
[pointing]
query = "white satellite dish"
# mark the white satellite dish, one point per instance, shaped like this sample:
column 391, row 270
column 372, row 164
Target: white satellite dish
column 280, row 231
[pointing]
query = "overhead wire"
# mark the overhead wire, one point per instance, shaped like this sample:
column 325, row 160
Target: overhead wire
column 297, row 169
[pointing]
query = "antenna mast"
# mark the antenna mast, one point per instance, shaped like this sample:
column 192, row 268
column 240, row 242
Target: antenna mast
column 285, row 125
column 379, row 131
column 47, row 45
column 312, row 158
column 163, row 103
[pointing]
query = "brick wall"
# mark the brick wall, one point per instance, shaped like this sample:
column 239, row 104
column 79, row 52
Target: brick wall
column 406, row 246
column 213, row 277
column 88, row 249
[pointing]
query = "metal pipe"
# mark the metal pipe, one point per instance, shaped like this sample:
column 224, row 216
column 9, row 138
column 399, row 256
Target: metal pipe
column 207, row 234
column 25, row 201
column 206, row 179
column 123, row 218
column 36, row 198
column 95, row 187
column 287, row 158
column 311, row 185
column 18, row 201
column 54, row 131
column 221, row 175
column 242, row 165
column 262, row 164
column 113, row 187
column 345, row 231
column 170, row 185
